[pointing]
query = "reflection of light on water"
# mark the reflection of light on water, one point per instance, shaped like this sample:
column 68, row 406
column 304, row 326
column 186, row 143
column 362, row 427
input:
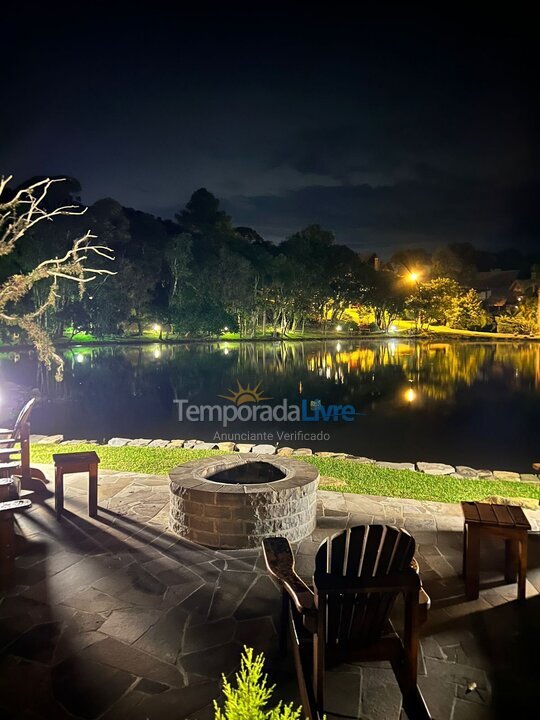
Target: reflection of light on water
column 410, row 395
column 300, row 387
column 338, row 347
column 225, row 351
column 157, row 354
column 79, row 358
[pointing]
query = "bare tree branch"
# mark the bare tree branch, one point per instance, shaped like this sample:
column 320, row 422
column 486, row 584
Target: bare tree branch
column 17, row 216
column 25, row 210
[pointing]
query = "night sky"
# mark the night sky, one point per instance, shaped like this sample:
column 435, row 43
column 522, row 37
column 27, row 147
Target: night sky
column 393, row 127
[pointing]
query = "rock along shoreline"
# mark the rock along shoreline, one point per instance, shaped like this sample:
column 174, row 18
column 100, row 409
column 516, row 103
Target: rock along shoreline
column 428, row 468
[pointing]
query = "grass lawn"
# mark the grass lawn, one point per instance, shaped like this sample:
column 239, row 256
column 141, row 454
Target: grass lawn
column 357, row 478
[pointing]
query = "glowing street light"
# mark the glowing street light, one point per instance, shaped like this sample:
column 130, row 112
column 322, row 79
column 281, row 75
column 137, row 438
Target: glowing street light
column 414, row 276
column 339, row 328
column 156, row 327
column 225, row 329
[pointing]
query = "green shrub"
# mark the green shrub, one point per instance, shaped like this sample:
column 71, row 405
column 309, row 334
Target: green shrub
column 523, row 321
column 250, row 698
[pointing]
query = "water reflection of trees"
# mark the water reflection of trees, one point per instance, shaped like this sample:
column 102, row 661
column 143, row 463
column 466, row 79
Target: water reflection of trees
column 347, row 371
column 436, row 369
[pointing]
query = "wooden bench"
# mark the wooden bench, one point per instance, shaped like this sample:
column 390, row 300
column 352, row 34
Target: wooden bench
column 74, row 463
column 504, row 521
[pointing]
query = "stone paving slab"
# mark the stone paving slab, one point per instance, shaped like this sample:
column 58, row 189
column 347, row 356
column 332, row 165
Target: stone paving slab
column 117, row 617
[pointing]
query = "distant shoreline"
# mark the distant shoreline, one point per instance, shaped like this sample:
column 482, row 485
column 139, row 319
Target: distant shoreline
column 135, row 340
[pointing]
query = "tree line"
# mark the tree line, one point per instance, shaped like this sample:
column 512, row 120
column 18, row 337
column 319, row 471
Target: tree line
column 199, row 275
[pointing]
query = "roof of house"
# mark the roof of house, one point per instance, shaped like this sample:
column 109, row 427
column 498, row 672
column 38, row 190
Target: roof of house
column 495, row 279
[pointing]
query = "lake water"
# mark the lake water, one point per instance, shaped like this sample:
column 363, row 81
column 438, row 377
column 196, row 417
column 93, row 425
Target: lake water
column 471, row 403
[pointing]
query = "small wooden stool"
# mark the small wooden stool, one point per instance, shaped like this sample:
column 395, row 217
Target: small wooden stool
column 505, row 521
column 74, row 463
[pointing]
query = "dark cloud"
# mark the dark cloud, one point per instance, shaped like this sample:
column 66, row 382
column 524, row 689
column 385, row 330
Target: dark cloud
column 419, row 213
column 390, row 126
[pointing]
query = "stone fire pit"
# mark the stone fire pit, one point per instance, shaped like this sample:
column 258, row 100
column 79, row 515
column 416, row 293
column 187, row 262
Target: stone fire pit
column 234, row 501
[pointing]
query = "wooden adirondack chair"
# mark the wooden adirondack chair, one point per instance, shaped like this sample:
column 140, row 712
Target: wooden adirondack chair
column 15, row 449
column 358, row 575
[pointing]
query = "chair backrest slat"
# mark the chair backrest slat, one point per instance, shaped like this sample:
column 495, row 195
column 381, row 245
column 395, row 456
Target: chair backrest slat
column 23, row 417
column 361, row 552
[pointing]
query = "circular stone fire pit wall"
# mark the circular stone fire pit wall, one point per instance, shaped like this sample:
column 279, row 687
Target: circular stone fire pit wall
column 240, row 514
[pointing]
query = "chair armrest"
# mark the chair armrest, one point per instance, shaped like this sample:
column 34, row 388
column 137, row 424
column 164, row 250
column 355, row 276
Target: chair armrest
column 280, row 563
column 15, row 505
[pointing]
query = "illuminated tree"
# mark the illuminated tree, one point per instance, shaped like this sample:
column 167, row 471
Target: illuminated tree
column 385, row 297
column 429, row 302
column 466, row 312
column 20, row 212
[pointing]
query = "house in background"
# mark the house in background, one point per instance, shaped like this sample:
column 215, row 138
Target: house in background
column 498, row 289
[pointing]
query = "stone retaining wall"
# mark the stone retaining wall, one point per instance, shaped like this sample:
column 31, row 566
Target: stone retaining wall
column 430, row 468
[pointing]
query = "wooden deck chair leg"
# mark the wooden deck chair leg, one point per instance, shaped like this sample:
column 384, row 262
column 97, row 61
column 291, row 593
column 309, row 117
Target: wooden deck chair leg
column 319, row 645
column 415, row 706
column 411, row 638
column 307, row 698
column 7, row 550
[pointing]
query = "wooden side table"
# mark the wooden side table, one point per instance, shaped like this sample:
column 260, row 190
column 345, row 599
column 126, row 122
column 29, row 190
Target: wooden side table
column 73, row 463
column 504, row 521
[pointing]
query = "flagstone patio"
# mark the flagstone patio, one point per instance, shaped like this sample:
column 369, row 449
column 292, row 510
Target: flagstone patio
column 117, row 618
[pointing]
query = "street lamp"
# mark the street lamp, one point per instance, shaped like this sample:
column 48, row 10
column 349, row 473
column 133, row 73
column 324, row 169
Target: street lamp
column 339, row 328
column 156, row 327
column 413, row 276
